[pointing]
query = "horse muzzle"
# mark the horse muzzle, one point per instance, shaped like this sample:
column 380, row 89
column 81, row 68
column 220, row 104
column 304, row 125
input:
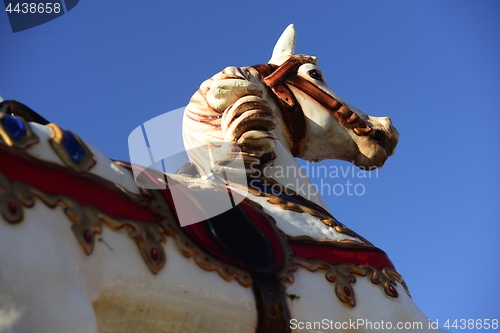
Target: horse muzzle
column 377, row 143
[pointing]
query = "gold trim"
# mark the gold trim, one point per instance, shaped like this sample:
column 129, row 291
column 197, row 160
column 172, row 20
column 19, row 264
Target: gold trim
column 150, row 238
column 343, row 243
column 29, row 138
column 87, row 223
column 57, row 143
column 343, row 276
column 288, row 205
column 186, row 246
column 10, row 205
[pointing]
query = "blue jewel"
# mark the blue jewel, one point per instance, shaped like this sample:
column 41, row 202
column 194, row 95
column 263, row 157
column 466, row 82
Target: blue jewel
column 73, row 147
column 15, row 127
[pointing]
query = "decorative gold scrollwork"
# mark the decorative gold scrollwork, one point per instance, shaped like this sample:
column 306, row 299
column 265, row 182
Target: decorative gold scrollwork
column 59, row 137
column 343, row 276
column 25, row 136
column 87, row 224
column 284, row 204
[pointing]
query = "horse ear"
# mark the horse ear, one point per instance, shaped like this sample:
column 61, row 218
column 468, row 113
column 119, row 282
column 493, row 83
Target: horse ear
column 285, row 46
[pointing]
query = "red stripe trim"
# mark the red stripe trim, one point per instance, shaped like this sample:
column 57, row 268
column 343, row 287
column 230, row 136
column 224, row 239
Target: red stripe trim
column 341, row 253
column 86, row 189
column 200, row 235
column 90, row 190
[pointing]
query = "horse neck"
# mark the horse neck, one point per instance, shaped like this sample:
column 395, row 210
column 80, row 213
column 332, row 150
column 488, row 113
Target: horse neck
column 202, row 125
column 287, row 172
column 284, row 170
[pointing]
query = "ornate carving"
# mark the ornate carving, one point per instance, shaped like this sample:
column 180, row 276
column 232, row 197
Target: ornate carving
column 10, row 205
column 188, row 248
column 87, row 223
column 15, row 133
column 150, row 238
column 72, row 151
column 343, row 276
column 306, row 206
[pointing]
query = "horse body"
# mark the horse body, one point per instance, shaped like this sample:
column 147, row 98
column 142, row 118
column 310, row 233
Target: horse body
column 48, row 284
column 125, row 275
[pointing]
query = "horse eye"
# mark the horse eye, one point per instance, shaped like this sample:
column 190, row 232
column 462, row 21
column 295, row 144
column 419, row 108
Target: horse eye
column 315, row 74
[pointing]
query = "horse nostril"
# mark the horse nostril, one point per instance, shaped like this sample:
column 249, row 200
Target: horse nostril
column 387, row 137
column 384, row 124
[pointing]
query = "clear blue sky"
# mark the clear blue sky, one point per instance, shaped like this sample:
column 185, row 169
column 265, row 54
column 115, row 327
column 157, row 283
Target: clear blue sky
column 432, row 66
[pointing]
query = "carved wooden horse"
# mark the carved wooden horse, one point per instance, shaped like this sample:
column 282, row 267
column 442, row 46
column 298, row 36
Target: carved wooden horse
column 84, row 249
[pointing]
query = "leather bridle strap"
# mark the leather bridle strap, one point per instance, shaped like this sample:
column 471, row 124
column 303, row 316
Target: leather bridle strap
column 346, row 116
column 278, row 78
column 295, row 121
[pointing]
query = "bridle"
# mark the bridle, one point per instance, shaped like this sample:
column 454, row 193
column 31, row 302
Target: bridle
column 279, row 78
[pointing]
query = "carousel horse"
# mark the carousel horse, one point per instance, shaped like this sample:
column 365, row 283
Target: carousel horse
column 85, row 249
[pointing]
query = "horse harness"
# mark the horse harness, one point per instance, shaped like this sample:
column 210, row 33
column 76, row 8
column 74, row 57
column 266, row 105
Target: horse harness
column 279, row 78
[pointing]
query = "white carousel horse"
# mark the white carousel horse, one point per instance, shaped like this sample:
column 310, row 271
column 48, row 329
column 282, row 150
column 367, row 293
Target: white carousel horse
column 84, row 249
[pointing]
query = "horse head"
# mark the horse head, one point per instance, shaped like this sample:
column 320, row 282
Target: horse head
column 287, row 100
column 334, row 129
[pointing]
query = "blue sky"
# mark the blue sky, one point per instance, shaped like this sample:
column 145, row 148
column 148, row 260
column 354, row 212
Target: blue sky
column 103, row 69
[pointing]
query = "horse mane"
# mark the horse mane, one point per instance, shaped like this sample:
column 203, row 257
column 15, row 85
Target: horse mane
column 233, row 106
column 236, row 106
